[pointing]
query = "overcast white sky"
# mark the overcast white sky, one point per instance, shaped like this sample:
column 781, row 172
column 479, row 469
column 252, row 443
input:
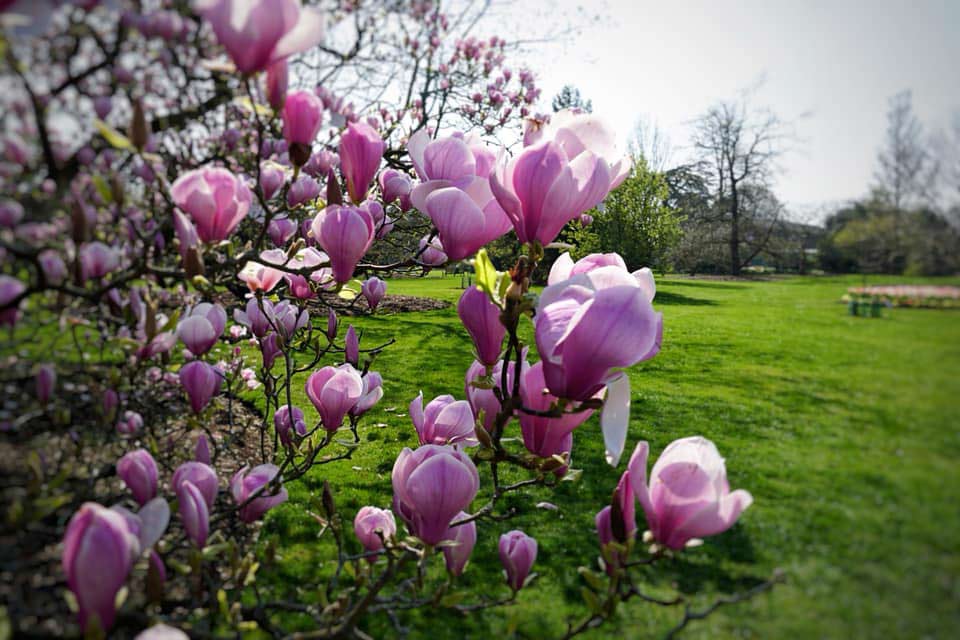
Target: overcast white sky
column 837, row 61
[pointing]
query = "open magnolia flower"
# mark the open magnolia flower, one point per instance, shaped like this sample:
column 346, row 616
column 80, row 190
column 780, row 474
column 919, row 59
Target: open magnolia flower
column 688, row 496
column 591, row 326
column 568, row 167
column 455, row 192
column 257, row 33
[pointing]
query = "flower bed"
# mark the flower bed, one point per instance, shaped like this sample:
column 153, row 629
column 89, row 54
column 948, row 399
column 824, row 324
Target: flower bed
column 909, row 295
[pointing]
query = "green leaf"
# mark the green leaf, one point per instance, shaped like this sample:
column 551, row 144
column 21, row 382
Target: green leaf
column 6, row 628
column 504, row 285
column 590, row 598
column 591, row 578
column 171, row 322
column 452, row 599
column 113, row 137
column 246, row 104
column 213, row 550
column 350, row 290
column 486, row 274
column 103, row 188
column 224, row 605
column 251, row 576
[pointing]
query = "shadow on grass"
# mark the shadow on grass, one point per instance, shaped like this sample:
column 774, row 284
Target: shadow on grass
column 706, row 284
column 666, row 297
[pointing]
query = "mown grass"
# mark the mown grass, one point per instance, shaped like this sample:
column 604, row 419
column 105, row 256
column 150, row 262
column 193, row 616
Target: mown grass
column 845, row 430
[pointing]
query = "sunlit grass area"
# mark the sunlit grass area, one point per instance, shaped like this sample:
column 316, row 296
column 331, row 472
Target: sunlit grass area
column 844, row 429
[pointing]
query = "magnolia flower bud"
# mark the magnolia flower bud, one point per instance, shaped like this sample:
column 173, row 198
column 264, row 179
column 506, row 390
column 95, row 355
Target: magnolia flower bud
column 139, row 129
column 44, row 383
column 518, row 551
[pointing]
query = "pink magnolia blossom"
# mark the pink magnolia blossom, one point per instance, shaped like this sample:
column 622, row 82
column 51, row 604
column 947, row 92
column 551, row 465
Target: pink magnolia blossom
column 245, row 484
column 194, row 513
column 688, row 495
column 431, row 252
column 372, row 526
column 110, row 400
column 345, row 233
column 373, row 290
column 565, row 268
column 269, row 349
column 287, row 318
column 201, row 381
column 518, row 552
column 288, row 420
column 321, row 163
column 302, row 116
column 361, row 149
column 161, row 343
column 197, row 334
column 99, row 550
column 10, row 289
column 272, row 177
column 130, row 423
column 481, row 317
column 544, row 436
column 305, row 259
column 138, row 470
column 187, row 238
column 456, row 159
column 569, row 167
column 202, row 476
column 11, row 213
column 332, row 325
column 443, row 421
column 201, row 450
column 396, row 186
column 161, row 631
column 277, row 78
column 215, row 199
column 281, row 230
column 102, row 106
column 260, row 277
column 53, row 267
column 201, row 327
column 351, row 346
column 257, row 33
column 464, row 538
column 304, row 189
column 626, row 529
column 45, row 382
column 334, row 391
column 455, row 193
column 431, row 485
column 372, row 392
column 97, row 260
column 254, row 317
column 483, row 400
column 587, row 328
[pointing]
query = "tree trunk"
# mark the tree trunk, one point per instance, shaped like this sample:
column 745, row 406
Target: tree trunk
column 734, row 229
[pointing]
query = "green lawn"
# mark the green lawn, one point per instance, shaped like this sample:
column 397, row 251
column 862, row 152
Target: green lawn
column 845, row 430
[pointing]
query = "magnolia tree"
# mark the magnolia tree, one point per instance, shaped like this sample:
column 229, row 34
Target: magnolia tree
column 181, row 230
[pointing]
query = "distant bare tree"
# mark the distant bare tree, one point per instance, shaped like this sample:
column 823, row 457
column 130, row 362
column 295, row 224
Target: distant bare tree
column 738, row 146
column 907, row 169
column 947, row 146
column 651, row 143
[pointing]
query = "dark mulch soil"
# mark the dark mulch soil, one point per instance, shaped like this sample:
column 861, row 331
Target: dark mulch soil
column 389, row 304
column 55, row 458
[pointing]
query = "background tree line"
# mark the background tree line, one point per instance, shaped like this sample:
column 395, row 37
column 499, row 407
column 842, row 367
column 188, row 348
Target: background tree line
column 718, row 212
